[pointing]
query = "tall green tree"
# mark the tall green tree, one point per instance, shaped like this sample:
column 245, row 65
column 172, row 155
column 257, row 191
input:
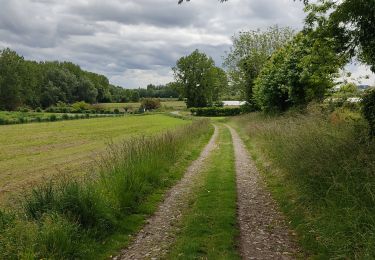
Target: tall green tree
column 11, row 69
column 200, row 78
column 298, row 73
column 250, row 51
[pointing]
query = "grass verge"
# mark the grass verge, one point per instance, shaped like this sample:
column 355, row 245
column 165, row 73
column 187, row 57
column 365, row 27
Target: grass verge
column 208, row 229
column 93, row 217
column 321, row 171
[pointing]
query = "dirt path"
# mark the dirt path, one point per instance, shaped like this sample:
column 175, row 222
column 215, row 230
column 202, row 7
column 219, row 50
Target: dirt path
column 153, row 241
column 263, row 232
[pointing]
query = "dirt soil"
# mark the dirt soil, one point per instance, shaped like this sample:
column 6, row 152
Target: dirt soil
column 263, row 230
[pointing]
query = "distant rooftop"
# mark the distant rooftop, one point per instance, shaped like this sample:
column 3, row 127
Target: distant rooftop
column 234, row 103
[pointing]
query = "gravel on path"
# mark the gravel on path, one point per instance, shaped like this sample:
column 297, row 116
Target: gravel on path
column 153, row 241
column 263, row 230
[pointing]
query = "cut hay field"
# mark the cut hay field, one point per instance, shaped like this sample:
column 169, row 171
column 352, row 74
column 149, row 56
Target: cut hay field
column 29, row 152
column 165, row 104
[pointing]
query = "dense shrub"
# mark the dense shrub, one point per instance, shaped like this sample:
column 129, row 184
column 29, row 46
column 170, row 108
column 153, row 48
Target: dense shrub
column 150, row 104
column 52, row 118
column 24, row 109
column 216, row 111
column 65, row 116
column 81, row 106
column 369, row 109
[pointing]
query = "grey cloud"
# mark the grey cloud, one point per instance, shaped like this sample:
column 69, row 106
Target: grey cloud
column 157, row 13
column 133, row 41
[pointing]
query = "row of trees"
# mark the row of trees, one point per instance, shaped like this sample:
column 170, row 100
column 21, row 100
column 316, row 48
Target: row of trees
column 43, row 84
column 120, row 94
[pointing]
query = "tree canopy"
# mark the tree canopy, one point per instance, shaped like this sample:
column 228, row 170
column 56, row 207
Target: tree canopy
column 300, row 72
column 350, row 22
column 43, row 84
column 249, row 53
column 200, row 80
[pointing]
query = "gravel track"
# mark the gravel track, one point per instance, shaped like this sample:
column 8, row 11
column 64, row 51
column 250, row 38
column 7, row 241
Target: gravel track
column 153, row 241
column 263, row 231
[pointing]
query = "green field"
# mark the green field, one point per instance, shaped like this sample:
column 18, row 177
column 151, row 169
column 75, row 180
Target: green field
column 132, row 106
column 30, row 151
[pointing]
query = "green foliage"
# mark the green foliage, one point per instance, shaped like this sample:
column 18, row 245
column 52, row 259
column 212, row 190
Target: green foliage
column 150, row 104
column 10, row 80
column 250, row 51
column 216, row 111
column 350, row 22
column 201, row 80
column 340, row 98
column 81, row 106
column 298, row 73
column 369, row 110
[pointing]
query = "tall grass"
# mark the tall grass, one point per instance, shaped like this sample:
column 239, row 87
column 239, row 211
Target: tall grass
column 69, row 218
column 321, row 169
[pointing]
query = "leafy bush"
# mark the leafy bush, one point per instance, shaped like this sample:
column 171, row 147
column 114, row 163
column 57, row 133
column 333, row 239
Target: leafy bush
column 150, row 104
column 65, row 116
column 369, row 109
column 249, row 107
column 216, row 111
column 24, row 109
column 38, row 109
column 81, row 106
column 52, row 118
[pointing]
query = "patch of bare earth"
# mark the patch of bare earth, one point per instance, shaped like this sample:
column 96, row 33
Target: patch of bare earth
column 263, row 230
column 153, row 241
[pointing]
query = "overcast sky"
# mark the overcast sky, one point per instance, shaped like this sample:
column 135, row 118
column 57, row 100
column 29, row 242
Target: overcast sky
column 136, row 42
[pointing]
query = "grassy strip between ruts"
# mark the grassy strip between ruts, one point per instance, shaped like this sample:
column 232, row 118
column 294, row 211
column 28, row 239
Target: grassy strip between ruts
column 321, row 171
column 208, row 230
column 92, row 218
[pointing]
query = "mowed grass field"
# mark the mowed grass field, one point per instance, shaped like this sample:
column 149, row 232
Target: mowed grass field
column 29, row 152
column 165, row 104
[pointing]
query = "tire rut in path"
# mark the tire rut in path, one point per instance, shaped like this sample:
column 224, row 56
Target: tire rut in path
column 154, row 239
column 263, row 231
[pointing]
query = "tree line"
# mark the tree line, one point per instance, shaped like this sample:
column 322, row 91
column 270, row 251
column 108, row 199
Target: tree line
column 276, row 69
column 44, row 84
